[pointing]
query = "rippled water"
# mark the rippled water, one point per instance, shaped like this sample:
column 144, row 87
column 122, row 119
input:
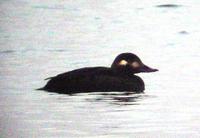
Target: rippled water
column 39, row 39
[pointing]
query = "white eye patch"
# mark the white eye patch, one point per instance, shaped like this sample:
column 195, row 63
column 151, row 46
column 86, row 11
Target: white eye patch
column 123, row 62
column 135, row 64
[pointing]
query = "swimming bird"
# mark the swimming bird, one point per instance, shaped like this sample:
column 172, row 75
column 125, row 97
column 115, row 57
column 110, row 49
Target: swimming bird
column 119, row 77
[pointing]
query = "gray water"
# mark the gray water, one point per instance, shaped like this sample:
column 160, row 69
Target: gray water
column 39, row 39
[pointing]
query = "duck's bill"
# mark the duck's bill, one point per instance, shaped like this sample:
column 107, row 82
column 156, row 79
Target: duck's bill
column 145, row 68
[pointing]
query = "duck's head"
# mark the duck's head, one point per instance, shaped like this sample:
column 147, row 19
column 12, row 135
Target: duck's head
column 128, row 63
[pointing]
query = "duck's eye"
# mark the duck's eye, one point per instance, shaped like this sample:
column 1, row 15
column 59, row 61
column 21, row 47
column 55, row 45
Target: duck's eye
column 123, row 62
column 135, row 64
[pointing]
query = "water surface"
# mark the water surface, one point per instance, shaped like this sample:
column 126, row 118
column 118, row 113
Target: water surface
column 39, row 39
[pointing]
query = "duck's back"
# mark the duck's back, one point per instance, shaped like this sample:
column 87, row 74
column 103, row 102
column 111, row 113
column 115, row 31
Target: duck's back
column 97, row 79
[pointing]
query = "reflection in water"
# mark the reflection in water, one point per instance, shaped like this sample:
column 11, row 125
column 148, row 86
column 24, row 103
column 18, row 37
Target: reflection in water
column 7, row 51
column 183, row 32
column 117, row 98
column 123, row 98
column 168, row 6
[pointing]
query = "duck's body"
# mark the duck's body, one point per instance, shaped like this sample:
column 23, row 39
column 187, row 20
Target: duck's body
column 119, row 77
column 99, row 79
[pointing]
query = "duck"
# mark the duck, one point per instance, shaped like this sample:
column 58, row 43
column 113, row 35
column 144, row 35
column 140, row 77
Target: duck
column 119, row 77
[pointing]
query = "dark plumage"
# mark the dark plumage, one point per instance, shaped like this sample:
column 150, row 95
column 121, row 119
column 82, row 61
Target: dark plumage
column 120, row 77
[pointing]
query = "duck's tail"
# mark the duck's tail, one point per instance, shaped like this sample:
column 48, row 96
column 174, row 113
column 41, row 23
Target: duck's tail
column 40, row 89
column 43, row 88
